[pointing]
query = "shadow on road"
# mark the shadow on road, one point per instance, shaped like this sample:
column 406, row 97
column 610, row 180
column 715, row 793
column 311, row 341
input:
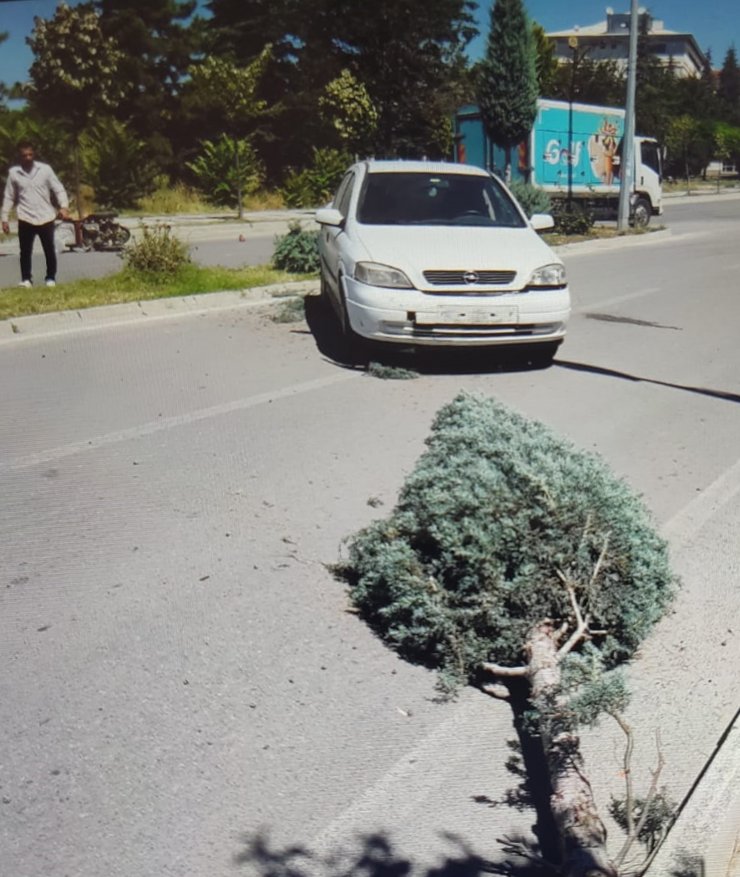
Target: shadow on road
column 327, row 334
column 614, row 373
column 373, row 856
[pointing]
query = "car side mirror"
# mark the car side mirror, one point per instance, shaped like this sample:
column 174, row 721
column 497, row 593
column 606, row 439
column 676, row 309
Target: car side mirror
column 329, row 216
column 541, row 221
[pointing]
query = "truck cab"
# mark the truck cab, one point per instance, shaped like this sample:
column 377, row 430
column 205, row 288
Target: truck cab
column 647, row 195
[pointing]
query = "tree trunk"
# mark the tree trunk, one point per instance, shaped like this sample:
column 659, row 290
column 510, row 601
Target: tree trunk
column 240, row 205
column 582, row 833
column 78, row 174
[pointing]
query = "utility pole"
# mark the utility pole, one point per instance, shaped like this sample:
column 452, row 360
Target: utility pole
column 627, row 169
column 573, row 43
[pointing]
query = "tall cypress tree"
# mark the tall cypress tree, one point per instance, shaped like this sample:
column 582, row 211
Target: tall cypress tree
column 507, row 87
column 729, row 86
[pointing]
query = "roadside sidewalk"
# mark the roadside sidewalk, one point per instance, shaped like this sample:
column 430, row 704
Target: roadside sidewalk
column 705, row 839
column 16, row 329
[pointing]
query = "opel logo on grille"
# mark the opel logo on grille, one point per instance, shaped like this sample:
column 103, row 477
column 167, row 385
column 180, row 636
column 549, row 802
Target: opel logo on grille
column 470, row 277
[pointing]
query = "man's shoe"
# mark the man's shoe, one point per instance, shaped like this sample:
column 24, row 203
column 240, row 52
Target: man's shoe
column 26, row 283
column 51, row 283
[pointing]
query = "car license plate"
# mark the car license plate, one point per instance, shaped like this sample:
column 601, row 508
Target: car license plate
column 473, row 316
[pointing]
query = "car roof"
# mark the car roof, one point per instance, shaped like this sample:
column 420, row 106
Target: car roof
column 376, row 166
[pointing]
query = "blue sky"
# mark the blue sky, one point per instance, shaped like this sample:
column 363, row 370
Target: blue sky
column 715, row 25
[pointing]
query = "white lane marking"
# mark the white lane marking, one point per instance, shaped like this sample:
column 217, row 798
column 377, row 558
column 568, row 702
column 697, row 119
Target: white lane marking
column 692, row 517
column 410, row 781
column 165, row 423
column 617, row 299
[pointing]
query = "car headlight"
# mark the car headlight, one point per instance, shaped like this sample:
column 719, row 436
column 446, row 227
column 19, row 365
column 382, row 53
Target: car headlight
column 375, row 274
column 548, row 277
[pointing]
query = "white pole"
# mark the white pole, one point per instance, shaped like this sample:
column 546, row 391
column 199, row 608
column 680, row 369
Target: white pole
column 627, row 168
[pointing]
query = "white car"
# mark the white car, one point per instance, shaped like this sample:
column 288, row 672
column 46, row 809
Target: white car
column 440, row 254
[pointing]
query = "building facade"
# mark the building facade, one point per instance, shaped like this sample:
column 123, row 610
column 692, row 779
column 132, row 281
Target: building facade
column 609, row 41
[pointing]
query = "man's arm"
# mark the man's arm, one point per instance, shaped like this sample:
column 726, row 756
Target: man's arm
column 59, row 194
column 8, row 202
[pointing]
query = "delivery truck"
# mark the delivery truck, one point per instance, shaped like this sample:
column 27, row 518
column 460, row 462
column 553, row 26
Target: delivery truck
column 574, row 153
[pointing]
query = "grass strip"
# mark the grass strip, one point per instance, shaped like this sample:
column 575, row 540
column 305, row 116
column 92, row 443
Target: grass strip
column 128, row 286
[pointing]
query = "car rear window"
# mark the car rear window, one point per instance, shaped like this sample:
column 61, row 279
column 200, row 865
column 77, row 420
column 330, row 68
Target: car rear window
column 435, row 199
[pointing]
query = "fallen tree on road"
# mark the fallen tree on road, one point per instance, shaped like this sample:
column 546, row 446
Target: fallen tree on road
column 512, row 555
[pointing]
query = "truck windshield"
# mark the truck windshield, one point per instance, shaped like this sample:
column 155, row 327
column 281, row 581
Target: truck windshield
column 436, row 199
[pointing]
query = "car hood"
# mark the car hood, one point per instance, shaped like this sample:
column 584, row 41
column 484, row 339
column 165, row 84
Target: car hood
column 415, row 249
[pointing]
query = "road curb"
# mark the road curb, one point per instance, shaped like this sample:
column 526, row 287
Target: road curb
column 703, row 839
column 16, row 329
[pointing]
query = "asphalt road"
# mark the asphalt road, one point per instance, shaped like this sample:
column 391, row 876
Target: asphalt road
column 182, row 691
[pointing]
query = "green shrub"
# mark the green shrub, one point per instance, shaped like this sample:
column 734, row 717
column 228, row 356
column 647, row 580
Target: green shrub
column 532, row 199
column 315, row 185
column 157, row 253
column 297, row 251
column 573, row 219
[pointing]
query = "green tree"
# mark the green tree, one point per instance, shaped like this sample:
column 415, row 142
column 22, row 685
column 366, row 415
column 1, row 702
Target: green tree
column 590, row 82
column 408, row 56
column 314, row 185
column 231, row 91
column 729, row 86
column 227, row 169
column 727, row 142
column 686, row 143
column 511, row 555
column 3, row 87
column 159, row 39
column 117, row 164
column 51, row 141
column 655, row 90
column 545, row 63
column 507, row 87
column 347, row 106
column 74, row 74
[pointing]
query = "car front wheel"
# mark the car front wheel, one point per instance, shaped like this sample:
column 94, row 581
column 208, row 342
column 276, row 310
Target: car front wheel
column 355, row 349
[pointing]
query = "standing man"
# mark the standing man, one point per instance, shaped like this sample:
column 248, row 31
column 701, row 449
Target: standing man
column 39, row 198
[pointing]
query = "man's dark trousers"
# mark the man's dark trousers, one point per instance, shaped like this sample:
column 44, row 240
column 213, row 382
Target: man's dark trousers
column 26, row 234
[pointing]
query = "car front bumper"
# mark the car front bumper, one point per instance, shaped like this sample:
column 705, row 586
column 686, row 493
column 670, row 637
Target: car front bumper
column 410, row 316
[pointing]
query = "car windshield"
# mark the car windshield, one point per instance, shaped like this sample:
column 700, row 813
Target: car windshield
column 435, row 199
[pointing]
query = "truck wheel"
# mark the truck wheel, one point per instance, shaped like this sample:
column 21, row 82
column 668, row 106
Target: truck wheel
column 641, row 213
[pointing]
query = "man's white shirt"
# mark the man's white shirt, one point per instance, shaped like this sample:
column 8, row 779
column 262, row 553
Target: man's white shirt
column 37, row 194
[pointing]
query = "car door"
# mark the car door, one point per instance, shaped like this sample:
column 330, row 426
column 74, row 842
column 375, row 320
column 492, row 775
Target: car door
column 331, row 237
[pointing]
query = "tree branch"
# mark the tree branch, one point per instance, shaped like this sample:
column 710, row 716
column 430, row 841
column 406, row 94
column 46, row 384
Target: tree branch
column 600, row 561
column 505, row 672
column 581, row 632
column 634, row 830
column 496, row 689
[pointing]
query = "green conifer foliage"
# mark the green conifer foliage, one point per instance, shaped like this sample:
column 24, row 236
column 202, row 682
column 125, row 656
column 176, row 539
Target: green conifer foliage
column 507, row 86
column 510, row 553
column 498, row 513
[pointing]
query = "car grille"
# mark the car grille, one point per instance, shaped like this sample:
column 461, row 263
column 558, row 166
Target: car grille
column 469, row 278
